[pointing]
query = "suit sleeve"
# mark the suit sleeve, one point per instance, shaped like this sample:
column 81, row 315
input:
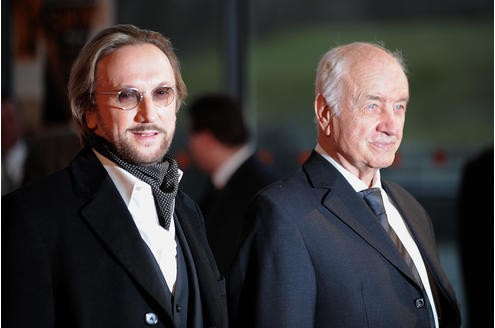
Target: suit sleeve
column 272, row 282
column 27, row 292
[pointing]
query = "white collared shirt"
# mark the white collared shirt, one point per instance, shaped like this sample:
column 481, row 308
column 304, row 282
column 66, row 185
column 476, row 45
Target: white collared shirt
column 395, row 220
column 227, row 169
column 138, row 197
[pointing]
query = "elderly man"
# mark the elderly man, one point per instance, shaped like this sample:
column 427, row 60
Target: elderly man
column 335, row 245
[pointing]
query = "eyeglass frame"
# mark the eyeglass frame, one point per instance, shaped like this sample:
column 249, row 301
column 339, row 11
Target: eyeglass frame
column 141, row 95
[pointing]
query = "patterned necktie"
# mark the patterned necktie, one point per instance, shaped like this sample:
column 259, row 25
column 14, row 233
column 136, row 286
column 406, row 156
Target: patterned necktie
column 163, row 178
column 373, row 198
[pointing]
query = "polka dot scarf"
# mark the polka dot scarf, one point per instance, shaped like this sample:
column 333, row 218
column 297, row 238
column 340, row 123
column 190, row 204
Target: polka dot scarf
column 163, row 177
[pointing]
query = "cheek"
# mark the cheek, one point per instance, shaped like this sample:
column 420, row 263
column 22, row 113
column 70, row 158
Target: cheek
column 402, row 123
column 354, row 130
column 168, row 120
column 357, row 136
column 170, row 117
column 107, row 120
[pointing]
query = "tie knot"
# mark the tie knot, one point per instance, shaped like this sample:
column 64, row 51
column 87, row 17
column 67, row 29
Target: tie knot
column 373, row 198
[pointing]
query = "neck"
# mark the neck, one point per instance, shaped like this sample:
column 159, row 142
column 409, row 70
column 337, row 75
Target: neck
column 363, row 172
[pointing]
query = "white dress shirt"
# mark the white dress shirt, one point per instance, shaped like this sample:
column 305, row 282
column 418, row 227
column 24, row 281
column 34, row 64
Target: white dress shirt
column 395, row 220
column 138, row 197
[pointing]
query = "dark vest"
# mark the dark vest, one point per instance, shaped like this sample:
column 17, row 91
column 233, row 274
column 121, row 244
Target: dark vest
column 185, row 303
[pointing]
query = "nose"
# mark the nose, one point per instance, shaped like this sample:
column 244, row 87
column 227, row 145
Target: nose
column 391, row 122
column 146, row 111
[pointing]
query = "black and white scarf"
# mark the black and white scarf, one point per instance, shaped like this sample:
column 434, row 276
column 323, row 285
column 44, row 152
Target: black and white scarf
column 163, row 177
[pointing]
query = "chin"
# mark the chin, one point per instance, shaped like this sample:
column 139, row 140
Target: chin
column 143, row 154
column 148, row 160
column 387, row 163
column 382, row 163
column 146, row 157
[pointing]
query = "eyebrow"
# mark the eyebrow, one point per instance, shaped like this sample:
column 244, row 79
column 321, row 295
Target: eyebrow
column 383, row 99
column 129, row 86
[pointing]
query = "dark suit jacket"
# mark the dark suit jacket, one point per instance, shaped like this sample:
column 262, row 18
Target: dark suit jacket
column 225, row 209
column 73, row 257
column 316, row 257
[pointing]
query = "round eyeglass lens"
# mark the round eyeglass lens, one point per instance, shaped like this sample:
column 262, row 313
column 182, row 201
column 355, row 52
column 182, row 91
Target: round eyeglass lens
column 129, row 98
column 163, row 96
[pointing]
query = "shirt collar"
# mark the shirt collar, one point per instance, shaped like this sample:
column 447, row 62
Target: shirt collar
column 124, row 180
column 354, row 181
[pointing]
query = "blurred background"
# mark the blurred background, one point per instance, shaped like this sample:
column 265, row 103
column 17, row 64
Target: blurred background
column 266, row 53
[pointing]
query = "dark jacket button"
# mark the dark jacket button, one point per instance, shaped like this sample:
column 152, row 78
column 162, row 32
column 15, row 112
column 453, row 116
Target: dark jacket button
column 419, row 302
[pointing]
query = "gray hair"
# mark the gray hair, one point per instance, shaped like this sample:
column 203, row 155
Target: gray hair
column 82, row 76
column 333, row 66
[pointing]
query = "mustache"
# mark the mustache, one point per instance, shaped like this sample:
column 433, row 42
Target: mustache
column 146, row 127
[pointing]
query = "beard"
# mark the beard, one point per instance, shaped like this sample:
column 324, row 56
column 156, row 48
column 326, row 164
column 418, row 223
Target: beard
column 140, row 154
column 128, row 146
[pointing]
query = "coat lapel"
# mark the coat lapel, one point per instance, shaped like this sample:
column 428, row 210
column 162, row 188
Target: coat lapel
column 343, row 201
column 107, row 215
column 421, row 234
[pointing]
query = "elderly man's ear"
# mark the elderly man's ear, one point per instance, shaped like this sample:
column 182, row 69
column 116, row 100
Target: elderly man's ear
column 323, row 114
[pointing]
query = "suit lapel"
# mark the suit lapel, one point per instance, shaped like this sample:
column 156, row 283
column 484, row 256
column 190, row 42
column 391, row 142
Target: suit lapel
column 343, row 201
column 422, row 236
column 413, row 219
column 110, row 220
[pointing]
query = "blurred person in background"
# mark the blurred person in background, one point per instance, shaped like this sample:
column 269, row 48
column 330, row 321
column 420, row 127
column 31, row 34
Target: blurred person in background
column 14, row 146
column 475, row 210
column 219, row 143
column 110, row 241
column 29, row 157
column 334, row 244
